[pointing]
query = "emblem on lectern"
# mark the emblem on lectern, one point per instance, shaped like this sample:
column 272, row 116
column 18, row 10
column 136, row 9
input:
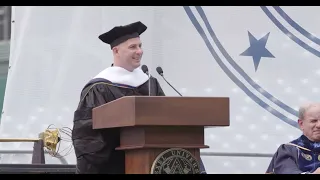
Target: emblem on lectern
column 175, row 161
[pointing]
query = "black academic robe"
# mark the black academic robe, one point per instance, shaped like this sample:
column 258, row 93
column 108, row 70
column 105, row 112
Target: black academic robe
column 95, row 149
column 299, row 156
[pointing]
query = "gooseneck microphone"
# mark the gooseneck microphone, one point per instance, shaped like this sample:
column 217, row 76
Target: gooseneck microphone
column 160, row 72
column 145, row 69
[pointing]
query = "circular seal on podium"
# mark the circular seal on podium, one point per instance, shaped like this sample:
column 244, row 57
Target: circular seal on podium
column 175, row 161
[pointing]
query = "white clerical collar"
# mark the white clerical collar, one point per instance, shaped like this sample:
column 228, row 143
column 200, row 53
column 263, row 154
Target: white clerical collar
column 117, row 74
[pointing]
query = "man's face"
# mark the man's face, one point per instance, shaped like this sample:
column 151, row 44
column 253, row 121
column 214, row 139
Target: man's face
column 130, row 53
column 310, row 124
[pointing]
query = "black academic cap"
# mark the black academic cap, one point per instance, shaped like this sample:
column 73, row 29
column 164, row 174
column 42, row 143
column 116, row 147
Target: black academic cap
column 120, row 34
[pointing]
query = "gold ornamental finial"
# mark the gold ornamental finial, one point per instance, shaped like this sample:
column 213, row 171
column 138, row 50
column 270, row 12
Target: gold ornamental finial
column 52, row 138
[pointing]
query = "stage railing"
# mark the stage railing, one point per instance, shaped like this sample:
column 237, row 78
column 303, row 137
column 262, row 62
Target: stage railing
column 61, row 159
column 64, row 161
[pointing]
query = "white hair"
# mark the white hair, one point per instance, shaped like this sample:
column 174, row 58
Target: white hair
column 304, row 108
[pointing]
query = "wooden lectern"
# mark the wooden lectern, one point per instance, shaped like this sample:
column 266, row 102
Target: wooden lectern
column 151, row 124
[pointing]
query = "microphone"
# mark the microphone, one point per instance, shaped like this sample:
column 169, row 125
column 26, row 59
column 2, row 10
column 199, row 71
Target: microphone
column 160, row 72
column 145, row 69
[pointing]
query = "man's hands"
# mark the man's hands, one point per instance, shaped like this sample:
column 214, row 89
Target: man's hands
column 317, row 171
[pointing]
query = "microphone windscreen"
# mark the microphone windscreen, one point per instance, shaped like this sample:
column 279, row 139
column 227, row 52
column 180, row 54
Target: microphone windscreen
column 144, row 68
column 159, row 70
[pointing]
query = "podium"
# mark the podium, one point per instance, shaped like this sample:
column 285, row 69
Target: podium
column 160, row 134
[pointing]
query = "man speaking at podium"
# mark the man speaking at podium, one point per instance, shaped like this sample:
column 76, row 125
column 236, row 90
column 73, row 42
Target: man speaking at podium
column 95, row 149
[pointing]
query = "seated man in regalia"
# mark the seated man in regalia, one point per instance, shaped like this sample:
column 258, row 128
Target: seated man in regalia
column 302, row 155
